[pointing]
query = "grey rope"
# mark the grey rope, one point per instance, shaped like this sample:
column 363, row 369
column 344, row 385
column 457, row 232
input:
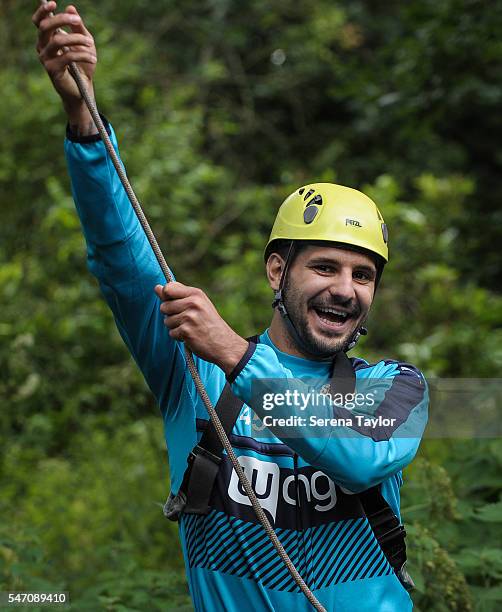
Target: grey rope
column 260, row 514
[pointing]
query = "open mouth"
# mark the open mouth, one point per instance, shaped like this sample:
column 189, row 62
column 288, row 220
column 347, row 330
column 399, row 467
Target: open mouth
column 334, row 318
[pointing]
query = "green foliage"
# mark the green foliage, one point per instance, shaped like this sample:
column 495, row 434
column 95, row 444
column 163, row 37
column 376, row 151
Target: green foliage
column 454, row 519
column 221, row 110
column 73, row 517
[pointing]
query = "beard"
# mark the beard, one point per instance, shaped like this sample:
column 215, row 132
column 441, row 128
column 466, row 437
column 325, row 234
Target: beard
column 317, row 344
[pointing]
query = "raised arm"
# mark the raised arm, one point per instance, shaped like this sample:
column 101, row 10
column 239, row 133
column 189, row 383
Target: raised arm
column 118, row 252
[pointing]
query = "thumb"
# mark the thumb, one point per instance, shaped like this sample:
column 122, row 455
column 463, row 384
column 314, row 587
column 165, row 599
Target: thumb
column 159, row 290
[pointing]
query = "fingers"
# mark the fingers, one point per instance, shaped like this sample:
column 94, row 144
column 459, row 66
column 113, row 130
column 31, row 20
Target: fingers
column 42, row 11
column 49, row 24
column 175, row 291
column 179, row 334
column 77, row 26
column 57, row 48
column 180, row 303
column 61, row 41
column 175, row 321
column 173, row 307
column 55, row 65
column 178, row 309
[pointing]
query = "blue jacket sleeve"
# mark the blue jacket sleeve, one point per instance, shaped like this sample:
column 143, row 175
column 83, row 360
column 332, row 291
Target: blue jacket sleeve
column 356, row 456
column 120, row 257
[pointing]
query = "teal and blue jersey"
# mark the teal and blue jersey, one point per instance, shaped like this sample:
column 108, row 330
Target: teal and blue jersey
column 306, row 484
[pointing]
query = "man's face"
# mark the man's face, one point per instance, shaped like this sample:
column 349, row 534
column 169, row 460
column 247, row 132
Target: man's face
column 328, row 295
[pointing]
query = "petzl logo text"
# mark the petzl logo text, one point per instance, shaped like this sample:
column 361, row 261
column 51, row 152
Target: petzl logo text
column 264, row 478
column 352, row 222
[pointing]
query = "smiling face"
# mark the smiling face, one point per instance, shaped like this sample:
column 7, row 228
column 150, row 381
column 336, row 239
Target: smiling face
column 328, row 294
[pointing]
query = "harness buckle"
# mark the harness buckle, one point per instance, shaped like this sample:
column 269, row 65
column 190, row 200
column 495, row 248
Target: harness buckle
column 396, row 532
column 199, row 450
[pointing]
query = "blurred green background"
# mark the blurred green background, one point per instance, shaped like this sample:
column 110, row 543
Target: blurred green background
column 221, row 109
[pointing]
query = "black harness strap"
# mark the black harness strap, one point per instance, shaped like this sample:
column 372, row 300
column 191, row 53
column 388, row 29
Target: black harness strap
column 204, row 460
column 343, row 377
column 389, row 532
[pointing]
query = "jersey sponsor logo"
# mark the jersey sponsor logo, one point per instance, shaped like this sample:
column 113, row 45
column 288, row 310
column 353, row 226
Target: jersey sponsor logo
column 272, row 487
column 264, row 477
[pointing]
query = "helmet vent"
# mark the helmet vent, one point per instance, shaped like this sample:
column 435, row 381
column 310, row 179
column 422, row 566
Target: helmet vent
column 310, row 213
column 301, row 190
column 308, row 194
column 316, row 200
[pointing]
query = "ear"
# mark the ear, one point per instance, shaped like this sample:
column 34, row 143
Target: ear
column 275, row 267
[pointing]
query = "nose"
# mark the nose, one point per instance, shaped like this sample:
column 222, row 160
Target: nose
column 342, row 287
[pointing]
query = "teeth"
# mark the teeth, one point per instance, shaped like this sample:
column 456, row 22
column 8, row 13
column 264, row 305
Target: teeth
column 340, row 313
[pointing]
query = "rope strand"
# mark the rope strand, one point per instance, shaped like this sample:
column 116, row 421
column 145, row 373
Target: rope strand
column 260, row 514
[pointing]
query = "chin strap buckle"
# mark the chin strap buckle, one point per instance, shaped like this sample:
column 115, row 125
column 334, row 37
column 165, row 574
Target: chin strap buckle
column 279, row 304
column 277, row 298
column 362, row 331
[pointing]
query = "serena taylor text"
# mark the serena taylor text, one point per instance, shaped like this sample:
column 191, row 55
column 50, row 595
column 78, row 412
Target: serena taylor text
column 314, row 421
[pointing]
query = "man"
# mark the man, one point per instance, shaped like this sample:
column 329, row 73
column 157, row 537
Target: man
column 324, row 260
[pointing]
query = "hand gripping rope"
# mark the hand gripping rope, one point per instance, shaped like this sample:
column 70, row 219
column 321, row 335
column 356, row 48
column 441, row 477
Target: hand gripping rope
column 75, row 73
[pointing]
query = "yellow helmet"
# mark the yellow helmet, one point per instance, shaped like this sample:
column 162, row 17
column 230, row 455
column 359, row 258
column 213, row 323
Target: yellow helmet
column 331, row 213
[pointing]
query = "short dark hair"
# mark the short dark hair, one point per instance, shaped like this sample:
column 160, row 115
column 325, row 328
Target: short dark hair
column 281, row 246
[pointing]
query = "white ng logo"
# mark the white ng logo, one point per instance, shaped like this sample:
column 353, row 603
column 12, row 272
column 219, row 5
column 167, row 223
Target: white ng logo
column 264, row 477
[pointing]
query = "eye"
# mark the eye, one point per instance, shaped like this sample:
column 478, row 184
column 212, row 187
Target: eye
column 324, row 268
column 363, row 276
